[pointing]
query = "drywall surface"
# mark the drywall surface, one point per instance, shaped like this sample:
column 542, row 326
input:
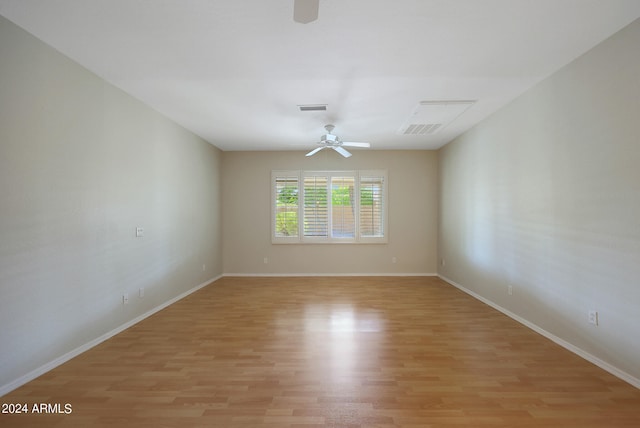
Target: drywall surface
column 544, row 197
column 412, row 236
column 82, row 165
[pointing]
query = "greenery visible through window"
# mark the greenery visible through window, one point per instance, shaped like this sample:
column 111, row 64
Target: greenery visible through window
column 329, row 206
column 287, row 207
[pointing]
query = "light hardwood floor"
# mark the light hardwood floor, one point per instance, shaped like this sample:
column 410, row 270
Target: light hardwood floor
column 329, row 352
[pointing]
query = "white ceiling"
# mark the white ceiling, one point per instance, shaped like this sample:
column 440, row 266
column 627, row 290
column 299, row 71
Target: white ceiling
column 234, row 71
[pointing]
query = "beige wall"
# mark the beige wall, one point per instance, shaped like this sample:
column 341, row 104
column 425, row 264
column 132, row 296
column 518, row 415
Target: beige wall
column 545, row 196
column 412, row 178
column 81, row 166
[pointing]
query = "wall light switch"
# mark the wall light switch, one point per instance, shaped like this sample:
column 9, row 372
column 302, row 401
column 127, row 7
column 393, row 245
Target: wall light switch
column 139, row 232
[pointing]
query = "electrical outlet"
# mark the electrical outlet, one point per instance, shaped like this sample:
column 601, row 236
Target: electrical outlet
column 139, row 232
column 593, row 317
column 266, row 260
column 510, row 290
column 141, row 292
column 204, row 267
column 394, row 260
column 442, row 262
column 125, row 299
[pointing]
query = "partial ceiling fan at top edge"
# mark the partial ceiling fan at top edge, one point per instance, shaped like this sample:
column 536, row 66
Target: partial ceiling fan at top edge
column 305, row 11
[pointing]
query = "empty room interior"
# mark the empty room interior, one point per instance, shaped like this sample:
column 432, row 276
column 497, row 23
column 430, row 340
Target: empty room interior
column 304, row 213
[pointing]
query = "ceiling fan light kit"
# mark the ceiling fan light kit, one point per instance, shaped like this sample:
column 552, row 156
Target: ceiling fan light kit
column 332, row 141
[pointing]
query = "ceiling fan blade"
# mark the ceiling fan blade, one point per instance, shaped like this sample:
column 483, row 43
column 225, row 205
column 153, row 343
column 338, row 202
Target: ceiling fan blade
column 342, row 151
column 354, row 144
column 314, row 151
column 305, row 11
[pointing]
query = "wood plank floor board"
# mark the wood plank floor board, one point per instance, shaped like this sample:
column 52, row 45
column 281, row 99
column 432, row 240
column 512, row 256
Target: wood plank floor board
column 329, row 352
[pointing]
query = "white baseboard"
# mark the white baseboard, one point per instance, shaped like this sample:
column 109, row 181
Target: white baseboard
column 5, row 389
column 578, row 351
column 283, row 275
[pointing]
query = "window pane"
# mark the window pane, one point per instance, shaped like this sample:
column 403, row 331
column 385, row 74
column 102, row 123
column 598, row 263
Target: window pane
column 286, row 207
column 343, row 223
column 315, row 206
column 371, row 209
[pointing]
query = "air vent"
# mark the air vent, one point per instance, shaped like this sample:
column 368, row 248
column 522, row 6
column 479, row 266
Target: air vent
column 313, row 107
column 422, row 128
column 430, row 117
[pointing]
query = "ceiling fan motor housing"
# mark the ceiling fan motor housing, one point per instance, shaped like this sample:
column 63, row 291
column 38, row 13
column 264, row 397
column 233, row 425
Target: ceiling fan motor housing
column 329, row 139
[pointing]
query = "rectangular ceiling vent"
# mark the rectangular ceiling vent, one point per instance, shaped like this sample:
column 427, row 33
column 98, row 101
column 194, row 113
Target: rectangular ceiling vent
column 313, row 107
column 429, row 117
column 422, row 128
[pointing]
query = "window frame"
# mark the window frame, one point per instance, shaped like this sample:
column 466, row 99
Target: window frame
column 357, row 176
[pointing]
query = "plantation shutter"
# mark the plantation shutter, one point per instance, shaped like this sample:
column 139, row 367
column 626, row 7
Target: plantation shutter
column 371, row 206
column 286, row 207
column 343, row 205
column 316, row 209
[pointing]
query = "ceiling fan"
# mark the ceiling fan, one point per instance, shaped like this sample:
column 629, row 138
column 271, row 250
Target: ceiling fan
column 305, row 11
column 331, row 141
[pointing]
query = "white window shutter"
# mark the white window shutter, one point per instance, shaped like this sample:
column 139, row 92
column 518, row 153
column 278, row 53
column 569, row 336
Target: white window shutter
column 316, row 206
column 372, row 209
column 329, row 206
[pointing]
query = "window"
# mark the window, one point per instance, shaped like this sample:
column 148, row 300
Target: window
column 316, row 207
column 329, row 207
column 286, row 212
column 371, row 206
